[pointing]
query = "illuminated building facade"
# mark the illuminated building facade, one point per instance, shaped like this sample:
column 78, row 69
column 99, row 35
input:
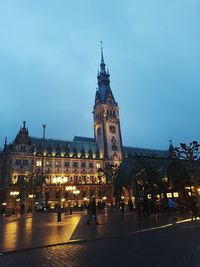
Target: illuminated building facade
column 51, row 166
column 67, row 171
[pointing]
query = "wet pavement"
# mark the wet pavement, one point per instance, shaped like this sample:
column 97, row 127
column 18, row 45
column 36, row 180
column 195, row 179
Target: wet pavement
column 28, row 231
column 176, row 246
column 40, row 230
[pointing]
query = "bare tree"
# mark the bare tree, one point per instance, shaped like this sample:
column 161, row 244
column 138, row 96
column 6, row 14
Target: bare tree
column 190, row 153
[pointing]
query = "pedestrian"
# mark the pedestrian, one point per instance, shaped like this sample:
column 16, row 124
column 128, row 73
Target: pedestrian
column 193, row 207
column 153, row 209
column 92, row 211
column 171, row 206
column 122, row 206
column 130, row 204
column 145, row 205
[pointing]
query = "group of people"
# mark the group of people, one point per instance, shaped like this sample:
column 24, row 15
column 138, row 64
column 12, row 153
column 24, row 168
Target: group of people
column 146, row 208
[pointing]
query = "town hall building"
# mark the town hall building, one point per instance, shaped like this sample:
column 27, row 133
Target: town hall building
column 68, row 172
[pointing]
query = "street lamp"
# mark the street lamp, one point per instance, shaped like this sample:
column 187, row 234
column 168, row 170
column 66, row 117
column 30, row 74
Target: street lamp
column 70, row 189
column 76, row 193
column 59, row 180
column 31, row 196
column 14, row 194
column 42, row 172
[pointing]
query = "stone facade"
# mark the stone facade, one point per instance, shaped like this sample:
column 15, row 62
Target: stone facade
column 67, row 172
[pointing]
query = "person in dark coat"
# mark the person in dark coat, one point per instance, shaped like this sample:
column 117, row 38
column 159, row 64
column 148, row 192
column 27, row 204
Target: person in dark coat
column 130, row 204
column 194, row 208
column 92, row 211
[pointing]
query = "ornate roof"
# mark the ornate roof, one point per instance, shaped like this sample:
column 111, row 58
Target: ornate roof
column 66, row 147
column 145, row 152
column 104, row 92
column 23, row 136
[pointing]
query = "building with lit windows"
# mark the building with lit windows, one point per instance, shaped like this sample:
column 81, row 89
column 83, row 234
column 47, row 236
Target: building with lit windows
column 68, row 171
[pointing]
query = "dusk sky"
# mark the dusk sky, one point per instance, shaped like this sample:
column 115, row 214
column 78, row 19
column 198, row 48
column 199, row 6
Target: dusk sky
column 50, row 52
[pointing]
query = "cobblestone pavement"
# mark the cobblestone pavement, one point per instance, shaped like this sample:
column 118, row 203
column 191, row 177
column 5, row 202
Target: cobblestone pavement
column 39, row 230
column 43, row 230
column 175, row 246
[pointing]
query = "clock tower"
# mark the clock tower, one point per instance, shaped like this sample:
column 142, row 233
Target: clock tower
column 107, row 131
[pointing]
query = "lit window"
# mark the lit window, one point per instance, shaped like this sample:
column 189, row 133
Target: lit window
column 98, row 166
column 14, row 179
column 169, row 195
column 38, row 163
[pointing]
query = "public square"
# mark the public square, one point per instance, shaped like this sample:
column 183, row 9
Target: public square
column 119, row 240
column 99, row 142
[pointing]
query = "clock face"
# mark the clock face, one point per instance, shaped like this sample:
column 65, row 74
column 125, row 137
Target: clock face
column 112, row 129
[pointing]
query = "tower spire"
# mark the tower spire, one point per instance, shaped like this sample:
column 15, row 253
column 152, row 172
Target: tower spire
column 102, row 59
column 102, row 65
column 5, row 143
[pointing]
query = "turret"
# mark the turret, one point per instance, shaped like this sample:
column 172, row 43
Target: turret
column 107, row 131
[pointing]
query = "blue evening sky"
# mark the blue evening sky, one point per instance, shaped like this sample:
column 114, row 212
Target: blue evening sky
column 50, row 52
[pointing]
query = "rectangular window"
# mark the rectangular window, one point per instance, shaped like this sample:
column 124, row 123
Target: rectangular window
column 76, row 179
column 57, row 195
column 18, row 162
column 75, row 164
column 91, row 165
column 84, row 179
column 83, row 164
column 66, row 164
column 112, row 129
column 38, row 163
column 98, row 166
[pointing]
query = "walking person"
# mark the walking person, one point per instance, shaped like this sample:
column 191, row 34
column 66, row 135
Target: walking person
column 171, row 206
column 92, row 211
column 194, row 208
column 153, row 209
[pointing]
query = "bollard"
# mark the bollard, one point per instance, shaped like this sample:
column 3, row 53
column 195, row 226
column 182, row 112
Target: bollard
column 70, row 211
column 59, row 214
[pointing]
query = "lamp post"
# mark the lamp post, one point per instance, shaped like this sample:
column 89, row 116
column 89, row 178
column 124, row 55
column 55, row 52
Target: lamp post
column 76, row 193
column 31, row 196
column 42, row 172
column 59, row 180
column 70, row 189
column 14, row 194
